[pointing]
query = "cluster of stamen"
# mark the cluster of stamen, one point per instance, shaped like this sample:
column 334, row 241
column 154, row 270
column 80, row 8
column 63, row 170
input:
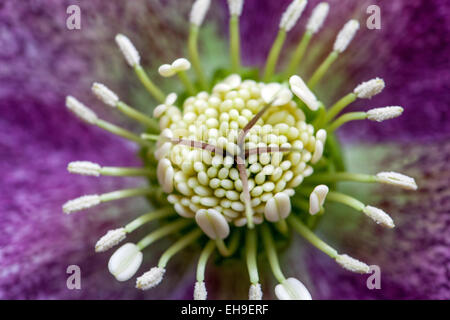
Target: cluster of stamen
column 236, row 160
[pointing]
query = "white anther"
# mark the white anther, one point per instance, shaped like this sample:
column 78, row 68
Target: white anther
column 352, row 264
column 379, row 216
column 386, row 113
column 162, row 108
column 166, row 70
column 213, row 223
column 165, row 174
column 278, row 207
column 397, row 179
column 255, row 292
column 233, row 81
column 85, row 168
column 198, row 11
column 235, row 7
column 317, row 198
column 124, row 263
column 81, row 203
column 292, row 289
column 110, row 239
column 276, row 94
column 346, row 35
column 321, row 135
column 150, row 279
column 106, row 95
column 368, row 89
column 318, row 152
column 200, row 292
column 80, row 110
column 318, row 16
column 301, row 90
column 292, row 14
column 128, row 50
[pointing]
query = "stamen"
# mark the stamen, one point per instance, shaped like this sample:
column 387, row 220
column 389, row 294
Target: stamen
column 365, row 90
column 168, row 102
column 110, row 98
column 368, row 89
column 278, row 207
column 81, row 111
column 178, row 67
column 315, row 22
column 352, row 264
column 292, row 14
column 128, row 50
column 81, row 203
column 87, row 115
column 379, row 216
column 347, row 117
column 250, row 253
column 103, row 93
column 203, row 260
column 386, row 113
column 318, row 17
column 343, row 39
column 198, row 13
column 292, row 289
column 114, row 237
column 124, row 263
column 317, row 198
column 301, row 90
column 110, row 239
column 213, row 223
column 272, row 253
column 318, row 152
column 255, row 292
column 287, row 22
column 200, row 292
column 346, row 35
column 85, row 168
column 178, row 246
column 165, row 174
column 150, row 279
column 235, row 7
column 397, row 179
column 133, row 59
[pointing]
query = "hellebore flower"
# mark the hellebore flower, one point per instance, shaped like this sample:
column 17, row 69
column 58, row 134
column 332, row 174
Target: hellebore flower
column 236, row 162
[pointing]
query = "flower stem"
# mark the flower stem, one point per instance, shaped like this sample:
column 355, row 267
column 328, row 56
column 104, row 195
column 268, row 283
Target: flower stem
column 342, row 176
column 121, row 132
column 250, row 253
column 145, row 218
column 231, row 249
column 136, row 115
column 186, row 82
column 320, row 72
column 273, row 55
column 125, row 193
column 298, row 55
column 178, row 246
column 272, row 253
column 311, row 237
column 235, row 44
column 339, row 106
column 194, row 57
column 148, row 84
column 203, row 260
column 345, row 199
column 346, row 118
column 162, row 232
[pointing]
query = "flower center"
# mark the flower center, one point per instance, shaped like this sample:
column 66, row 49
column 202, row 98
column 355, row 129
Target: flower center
column 200, row 178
